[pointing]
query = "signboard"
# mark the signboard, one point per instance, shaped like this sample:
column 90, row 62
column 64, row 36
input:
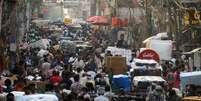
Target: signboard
column 192, row 17
column 149, row 54
column 67, row 21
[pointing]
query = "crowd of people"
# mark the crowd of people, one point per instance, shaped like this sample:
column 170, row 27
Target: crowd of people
column 75, row 76
column 78, row 76
column 69, row 76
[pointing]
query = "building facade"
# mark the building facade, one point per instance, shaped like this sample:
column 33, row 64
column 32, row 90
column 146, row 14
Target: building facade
column 77, row 8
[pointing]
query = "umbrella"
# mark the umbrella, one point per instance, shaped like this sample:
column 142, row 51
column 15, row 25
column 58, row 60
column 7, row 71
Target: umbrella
column 98, row 20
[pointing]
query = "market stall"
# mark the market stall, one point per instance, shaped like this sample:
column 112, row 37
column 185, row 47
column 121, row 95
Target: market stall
column 145, row 68
column 192, row 78
column 194, row 59
column 141, row 84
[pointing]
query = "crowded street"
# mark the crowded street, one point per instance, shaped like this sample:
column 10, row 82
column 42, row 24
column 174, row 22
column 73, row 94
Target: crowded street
column 100, row 50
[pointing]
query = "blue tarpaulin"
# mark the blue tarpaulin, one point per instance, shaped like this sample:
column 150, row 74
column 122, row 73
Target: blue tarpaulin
column 122, row 81
column 190, row 78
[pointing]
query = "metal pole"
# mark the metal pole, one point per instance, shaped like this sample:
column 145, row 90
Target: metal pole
column 1, row 10
column 200, row 58
column 62, row 11
column 147, row 18
column 146, row 6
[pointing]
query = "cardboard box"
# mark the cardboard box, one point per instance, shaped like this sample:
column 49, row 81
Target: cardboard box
column 115, row 64
column 192, row 98
column 40, row 85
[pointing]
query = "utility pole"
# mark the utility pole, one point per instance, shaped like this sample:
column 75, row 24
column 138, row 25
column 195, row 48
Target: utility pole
column 1, row 10
column 147, row 19
column 146, row 7
column 62, row 10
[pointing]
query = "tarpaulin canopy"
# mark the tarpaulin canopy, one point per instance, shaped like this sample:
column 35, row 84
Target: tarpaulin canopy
column 193, row 51
column 43, row 44
column 158, row 36
column 190, row 78
column 98, row 20
column 19, row 96
column 41, row 23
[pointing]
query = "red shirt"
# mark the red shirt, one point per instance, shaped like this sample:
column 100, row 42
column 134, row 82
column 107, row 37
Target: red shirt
column 177, row 79
column 55, row 79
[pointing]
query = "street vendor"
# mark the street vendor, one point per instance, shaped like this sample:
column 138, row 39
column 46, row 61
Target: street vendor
column 122, row 43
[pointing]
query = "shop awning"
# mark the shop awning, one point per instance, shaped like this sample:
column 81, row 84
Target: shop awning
column 193, row 51
column 98, row 20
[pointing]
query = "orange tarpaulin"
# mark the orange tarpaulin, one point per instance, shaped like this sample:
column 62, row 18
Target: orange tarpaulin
column 117, row 22
column 98, row 20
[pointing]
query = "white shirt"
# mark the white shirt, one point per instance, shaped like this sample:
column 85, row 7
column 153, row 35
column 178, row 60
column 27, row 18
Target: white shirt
column 98, row 62
column 79, row 64
column 46, row 65
column 3, row 97
column 92, row 74
column 72, row 59
column 101, row 98
column 109, row 95
column 83, row 81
